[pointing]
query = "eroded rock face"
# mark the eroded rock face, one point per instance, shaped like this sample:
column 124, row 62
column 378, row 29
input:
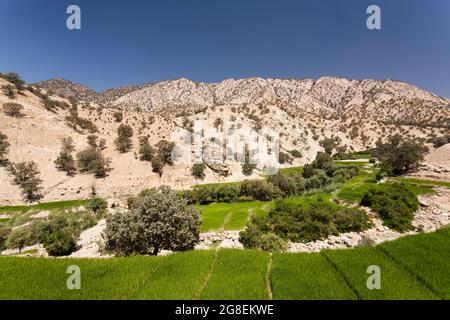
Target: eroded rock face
column 90, row 242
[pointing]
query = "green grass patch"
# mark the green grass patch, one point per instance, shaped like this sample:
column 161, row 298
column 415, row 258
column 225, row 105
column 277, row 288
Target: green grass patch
column 395, row 282
column 238, row 274
column 413, row 267
column 180, row 277
column 306, row 276
column 28, row 278
column 45, row 206
column 229, row 216
column 354, row 189
column 426, row 256
column 422, row 181
column 292, row 170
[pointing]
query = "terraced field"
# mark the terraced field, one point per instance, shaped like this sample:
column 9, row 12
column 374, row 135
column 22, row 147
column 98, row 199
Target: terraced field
column 414, row 267
column 229, row 216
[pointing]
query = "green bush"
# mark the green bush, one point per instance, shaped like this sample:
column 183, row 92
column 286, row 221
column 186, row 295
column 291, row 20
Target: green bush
column 198, row 170
column 303, row 222
column 60, row 243
column 13, row 109
column 395, row 204
column 123, row 141
column 4, row 233
column 4, row 146
column 18, row 238
column 160, row 220
column 98, row 205
column 92, row 160
column 26, row 176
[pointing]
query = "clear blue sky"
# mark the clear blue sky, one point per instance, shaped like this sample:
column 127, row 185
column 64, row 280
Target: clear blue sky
column 139, row 41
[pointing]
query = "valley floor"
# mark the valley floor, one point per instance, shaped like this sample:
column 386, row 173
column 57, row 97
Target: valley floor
column 414, row 267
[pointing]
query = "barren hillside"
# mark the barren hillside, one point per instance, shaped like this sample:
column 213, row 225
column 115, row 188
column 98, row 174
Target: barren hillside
column 303, row 111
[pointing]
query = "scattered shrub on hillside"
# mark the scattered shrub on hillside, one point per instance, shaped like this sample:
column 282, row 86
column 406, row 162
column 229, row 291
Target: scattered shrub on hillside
column 329, row 144
column 92, row 140
column 146, row 151
column 247, row 168
column 157, row 165
column 164, row 150
column 284, row 158
column 198, row 170
column 91, row 160
column 118, row 116
column 65, row 161
column 123, row 141
column 160, row 220
column 439, row 141
column 15, row 79
column 79, row 124
column 4, row 146
column 13, row 109
column 26, row 176
column 9, row 91
column 295, row 153
column 395, row 203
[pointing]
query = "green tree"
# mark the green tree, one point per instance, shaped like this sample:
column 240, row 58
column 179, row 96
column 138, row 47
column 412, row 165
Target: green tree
column 13, row 109
column 4, row 146
column 118, row 116
column 399, row 154
column 146, row 151
column 92, row 160
column 65, row 161
column 15, row 79
column 18, row 238
column 198, row 170
column 157, row 165
column 160, row 220
column 308, row 173
column 9, row 91
column 26, row 176
column 165, row 148
column 123, row 141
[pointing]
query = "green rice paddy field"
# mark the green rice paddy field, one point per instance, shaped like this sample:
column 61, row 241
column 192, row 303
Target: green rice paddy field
column 414, row 267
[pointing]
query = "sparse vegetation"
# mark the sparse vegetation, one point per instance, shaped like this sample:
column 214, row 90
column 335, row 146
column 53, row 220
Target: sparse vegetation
column 123, row 141
column 4, row 147
column 9, row 91
column 26, row 176
column 146, row 151
column 118, row 116
column 65, row 161
column 198, row 170
column 91, row 160
column 13, row 109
